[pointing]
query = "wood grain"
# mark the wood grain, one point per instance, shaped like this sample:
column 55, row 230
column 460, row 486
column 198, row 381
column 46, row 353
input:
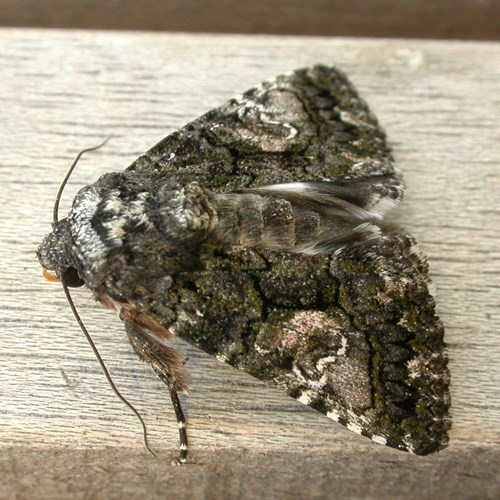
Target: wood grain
column 64, row 91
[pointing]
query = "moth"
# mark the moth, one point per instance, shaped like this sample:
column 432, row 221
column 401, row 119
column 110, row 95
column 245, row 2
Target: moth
column 258, row 233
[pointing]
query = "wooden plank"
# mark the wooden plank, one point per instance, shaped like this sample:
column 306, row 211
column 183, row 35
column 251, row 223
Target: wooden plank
column 112, row 473
column 63, row 91
column 459, row 19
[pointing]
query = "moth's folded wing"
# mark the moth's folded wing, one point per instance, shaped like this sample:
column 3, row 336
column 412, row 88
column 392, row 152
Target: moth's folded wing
column 357, row 339
column 308, row 125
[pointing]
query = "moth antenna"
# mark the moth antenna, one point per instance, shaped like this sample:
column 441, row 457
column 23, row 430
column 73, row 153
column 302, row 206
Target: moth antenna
column 101, row 362
column 55, row 213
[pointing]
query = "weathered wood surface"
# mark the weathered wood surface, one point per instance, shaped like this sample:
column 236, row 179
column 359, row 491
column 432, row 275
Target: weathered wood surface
column 63, row 91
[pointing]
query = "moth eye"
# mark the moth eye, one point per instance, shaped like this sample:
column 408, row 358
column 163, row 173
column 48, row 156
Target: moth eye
column 71, row 278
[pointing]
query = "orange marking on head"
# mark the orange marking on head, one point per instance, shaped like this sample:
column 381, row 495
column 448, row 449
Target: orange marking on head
column 50, row 277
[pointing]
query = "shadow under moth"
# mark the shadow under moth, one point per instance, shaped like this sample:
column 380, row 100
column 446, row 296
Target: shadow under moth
column 257, row 233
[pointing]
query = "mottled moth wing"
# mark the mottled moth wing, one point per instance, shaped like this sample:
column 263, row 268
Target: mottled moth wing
column 306, row 126
column 351, row 328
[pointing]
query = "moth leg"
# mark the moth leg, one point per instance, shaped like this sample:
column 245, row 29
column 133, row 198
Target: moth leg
column 181, row 423
column 167, row 363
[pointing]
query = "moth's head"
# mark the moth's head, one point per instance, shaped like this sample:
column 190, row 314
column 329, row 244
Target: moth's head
column 77, row 251
column 56, row 252
column 55, row 256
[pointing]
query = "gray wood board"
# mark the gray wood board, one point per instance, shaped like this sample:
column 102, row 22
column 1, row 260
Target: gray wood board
column 238, row 474
column 64, row 91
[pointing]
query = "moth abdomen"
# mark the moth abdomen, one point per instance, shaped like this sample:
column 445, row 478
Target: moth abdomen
column 252, row 220
column 303, row 217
